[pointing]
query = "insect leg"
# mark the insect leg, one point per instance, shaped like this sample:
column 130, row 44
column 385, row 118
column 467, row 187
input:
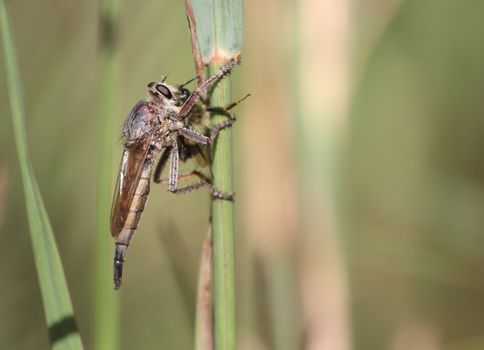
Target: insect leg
column 217, row 127
column 196, row 94
column 215, row 194
column 203, row 183
column 188, row 176
column 194, row 136
column 173, row 167
column 224, row 111
column 161, row 165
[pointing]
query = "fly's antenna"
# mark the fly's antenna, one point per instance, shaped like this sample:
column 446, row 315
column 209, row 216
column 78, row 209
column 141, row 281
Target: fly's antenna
column 163, row 78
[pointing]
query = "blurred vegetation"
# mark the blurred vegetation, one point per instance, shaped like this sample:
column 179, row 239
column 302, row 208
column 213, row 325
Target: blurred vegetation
column 417, row 179
column 401, row 195
column 59, row 314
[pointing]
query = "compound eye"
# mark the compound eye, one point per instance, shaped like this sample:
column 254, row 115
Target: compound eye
column 162, row 89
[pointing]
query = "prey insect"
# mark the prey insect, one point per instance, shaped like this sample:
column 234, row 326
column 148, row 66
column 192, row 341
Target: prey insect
column 167, row 124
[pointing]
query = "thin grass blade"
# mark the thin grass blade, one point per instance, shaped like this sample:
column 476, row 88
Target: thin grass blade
column 63, row 333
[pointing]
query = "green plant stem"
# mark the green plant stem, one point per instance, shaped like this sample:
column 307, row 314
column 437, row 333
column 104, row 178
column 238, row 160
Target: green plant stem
column 106, row 309
column 223, row 225
column 58, row 310
column 218, row 26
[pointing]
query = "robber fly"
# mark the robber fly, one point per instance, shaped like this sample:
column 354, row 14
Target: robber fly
column 168, row 122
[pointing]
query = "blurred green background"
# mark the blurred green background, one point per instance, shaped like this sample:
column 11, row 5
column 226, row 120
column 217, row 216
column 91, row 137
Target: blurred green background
column 360, row 174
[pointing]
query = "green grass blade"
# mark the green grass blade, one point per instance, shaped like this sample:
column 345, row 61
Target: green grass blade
column 106, row 309
column 59, row 314
column 219, row 28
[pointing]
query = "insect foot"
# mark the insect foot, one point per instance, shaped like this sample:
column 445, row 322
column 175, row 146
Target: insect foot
column 216, row 129
column 223, row 195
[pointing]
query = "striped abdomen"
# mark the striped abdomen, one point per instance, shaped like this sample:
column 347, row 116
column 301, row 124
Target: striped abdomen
column 128, row 205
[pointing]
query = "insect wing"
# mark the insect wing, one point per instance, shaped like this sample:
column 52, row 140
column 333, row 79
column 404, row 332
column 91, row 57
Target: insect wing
column 132, row 165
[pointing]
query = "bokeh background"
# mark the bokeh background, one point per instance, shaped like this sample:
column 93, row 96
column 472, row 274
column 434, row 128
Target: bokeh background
column 359, row 174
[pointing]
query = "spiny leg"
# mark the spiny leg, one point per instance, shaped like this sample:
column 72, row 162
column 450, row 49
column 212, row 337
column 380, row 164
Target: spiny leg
column 198, row 92
column 203, row 183
column 220, row 126
column 173, row 178
column 226, row 112
column 191, row 174
column 201, row 139
column 194, row 136
column 213, row 192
